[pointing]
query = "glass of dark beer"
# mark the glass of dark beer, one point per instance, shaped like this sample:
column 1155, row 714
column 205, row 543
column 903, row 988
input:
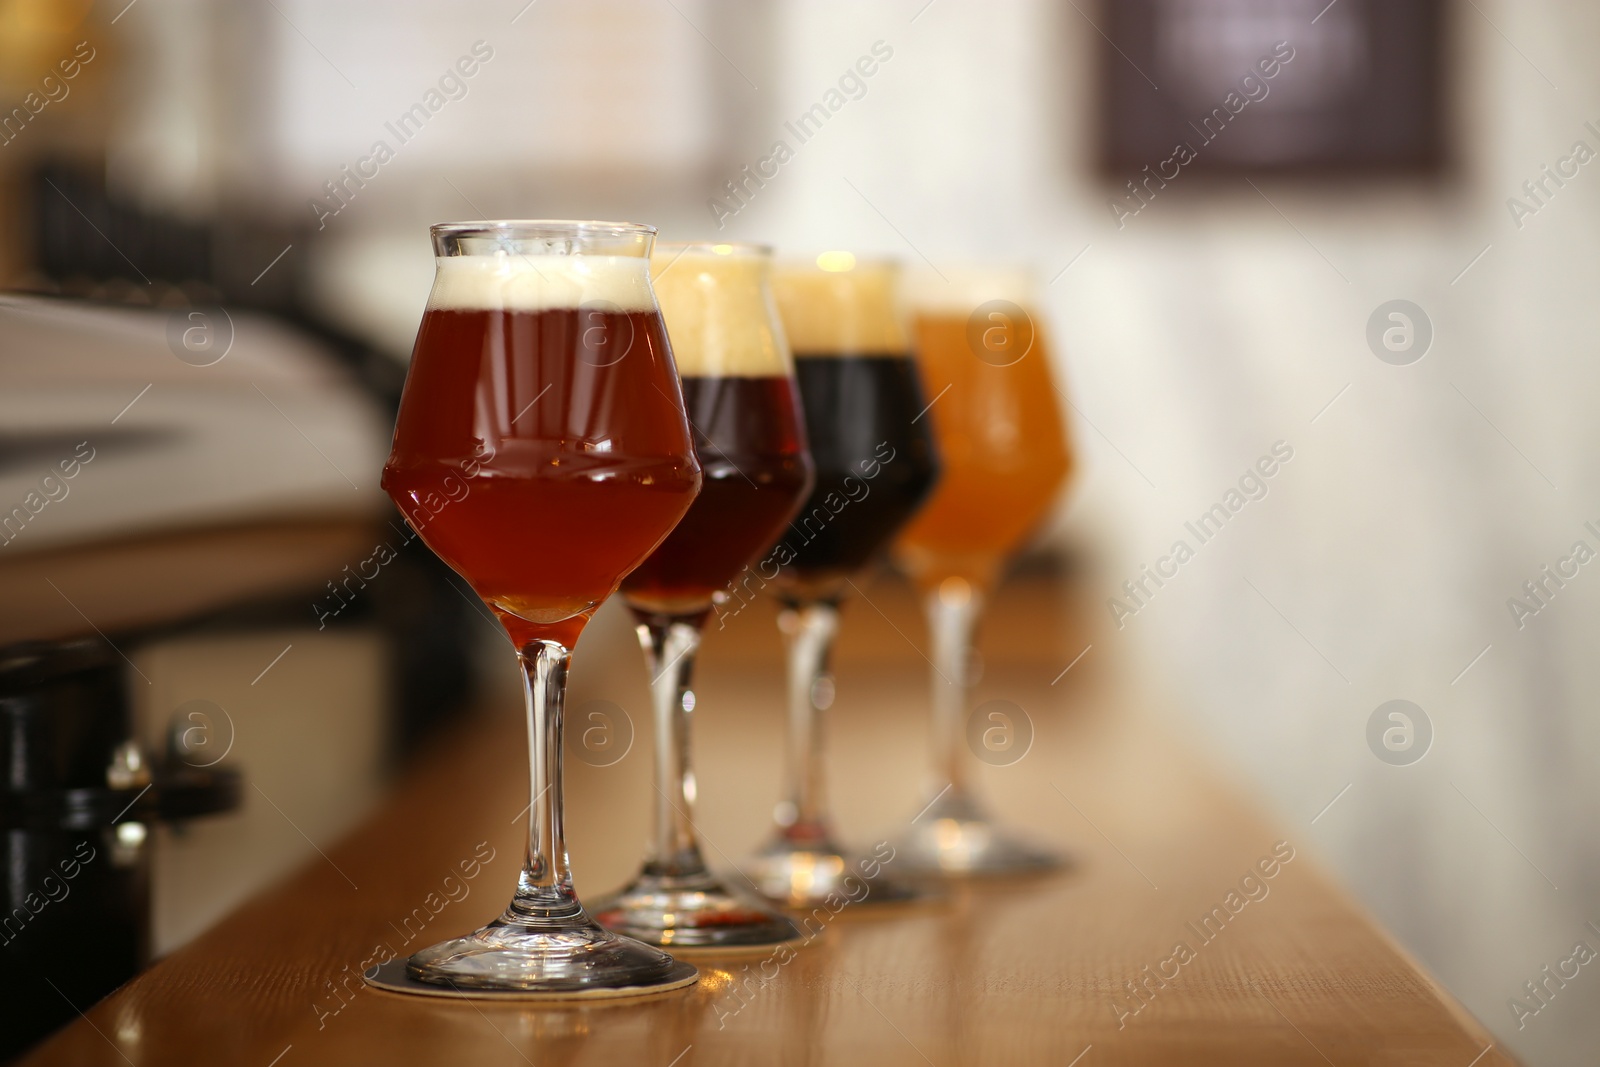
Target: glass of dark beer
column 542, row 451
column 744, row 411
column 875, row 463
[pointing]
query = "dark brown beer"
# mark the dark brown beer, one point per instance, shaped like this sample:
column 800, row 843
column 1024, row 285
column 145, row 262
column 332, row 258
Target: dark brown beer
column 752, row 453
column 875, row 465
column 870, row 437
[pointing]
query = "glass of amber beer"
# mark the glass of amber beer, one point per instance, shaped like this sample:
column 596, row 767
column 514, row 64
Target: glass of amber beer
column 542, row 451
column 744, row 411
column 875, row 463
column 1004, row 456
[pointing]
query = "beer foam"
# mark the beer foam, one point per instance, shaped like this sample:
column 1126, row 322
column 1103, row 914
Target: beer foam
column 961, row 290
column 515, row 281
column 855, row 311
column 719, row 312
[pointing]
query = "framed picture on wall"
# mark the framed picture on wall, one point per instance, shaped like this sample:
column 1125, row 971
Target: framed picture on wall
column 1219, row 86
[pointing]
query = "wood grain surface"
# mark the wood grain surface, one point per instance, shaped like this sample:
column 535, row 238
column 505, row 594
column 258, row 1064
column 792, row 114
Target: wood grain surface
column 1289, row 971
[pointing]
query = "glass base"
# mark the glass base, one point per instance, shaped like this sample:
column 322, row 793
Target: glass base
column 954, row 838
column 804, row 872
column 569, row 956
column 692, row 912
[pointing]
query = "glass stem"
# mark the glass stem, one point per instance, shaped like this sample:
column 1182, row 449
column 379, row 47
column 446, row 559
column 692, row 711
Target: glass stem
column 669, row 652
column 809, row 632
column 952, row 621
column 544, row 891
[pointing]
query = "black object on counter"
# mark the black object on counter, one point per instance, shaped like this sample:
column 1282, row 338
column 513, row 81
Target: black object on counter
column 78, row 799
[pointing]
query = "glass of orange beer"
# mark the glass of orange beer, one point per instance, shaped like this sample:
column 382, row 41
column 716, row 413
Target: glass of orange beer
column 542, row 450
column 983, row 357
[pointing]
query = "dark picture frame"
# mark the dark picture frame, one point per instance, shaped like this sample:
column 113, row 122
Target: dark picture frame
column 1355, row 87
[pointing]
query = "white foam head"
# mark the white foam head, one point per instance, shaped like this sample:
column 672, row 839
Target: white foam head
column 842, row 306
column 958, row 290
column 719, row 313
column 515, row 281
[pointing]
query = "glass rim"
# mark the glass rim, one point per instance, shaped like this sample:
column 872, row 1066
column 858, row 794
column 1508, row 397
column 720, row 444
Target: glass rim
column 525, row 228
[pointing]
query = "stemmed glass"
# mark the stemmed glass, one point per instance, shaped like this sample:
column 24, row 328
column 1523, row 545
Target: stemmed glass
column 1005, row 455
column 542, row 451
column 875, row 461
column 744, row 409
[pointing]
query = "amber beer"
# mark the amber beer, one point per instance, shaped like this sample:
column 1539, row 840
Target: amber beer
column 566, row 374
column 542, row 386
column 1002, row 446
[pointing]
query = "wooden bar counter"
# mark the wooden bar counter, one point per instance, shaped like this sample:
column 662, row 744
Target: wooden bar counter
column 1277, row 965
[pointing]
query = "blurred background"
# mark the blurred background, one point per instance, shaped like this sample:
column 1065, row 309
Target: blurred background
column 163, row 160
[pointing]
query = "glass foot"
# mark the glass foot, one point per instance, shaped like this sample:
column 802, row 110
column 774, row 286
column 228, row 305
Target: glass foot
column 692, row 912
column 574, row 956
column 954, row 838
column 803, row 873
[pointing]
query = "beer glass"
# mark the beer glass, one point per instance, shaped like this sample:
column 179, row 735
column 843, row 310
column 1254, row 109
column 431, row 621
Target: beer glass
column 875, row 462
column 1004, row 456
column 542, row 450
column 744, row 411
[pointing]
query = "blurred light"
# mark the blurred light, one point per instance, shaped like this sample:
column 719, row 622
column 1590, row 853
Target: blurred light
column 131, row 834
column 34, row 34
column 715, row 979
column 722, row 250
column 822, row 693
column 955, row 592
column 836, row 261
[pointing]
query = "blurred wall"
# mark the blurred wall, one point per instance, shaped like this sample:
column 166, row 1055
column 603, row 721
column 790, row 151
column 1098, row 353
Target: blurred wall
column 1379, row 564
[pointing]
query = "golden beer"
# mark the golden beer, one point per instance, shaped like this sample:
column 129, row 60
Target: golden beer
column 1004, row 455
column 998, row 427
